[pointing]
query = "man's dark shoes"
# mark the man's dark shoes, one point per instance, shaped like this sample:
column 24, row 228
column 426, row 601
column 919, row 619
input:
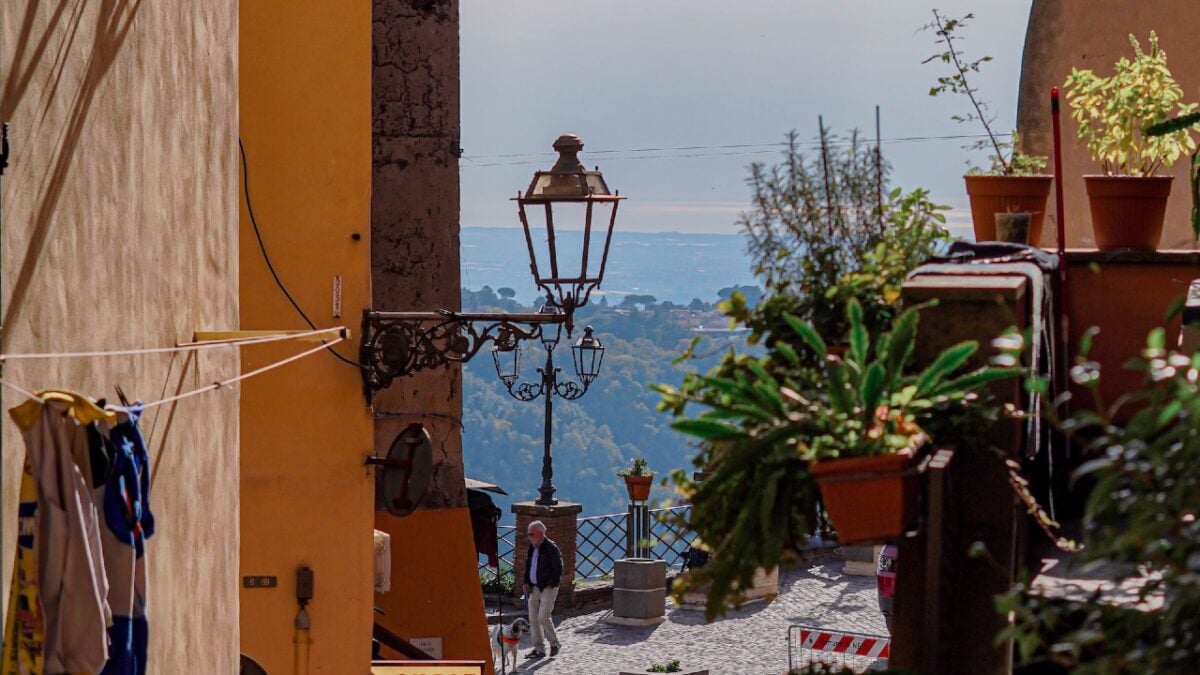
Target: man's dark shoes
column 536, row 654
column 553, row 650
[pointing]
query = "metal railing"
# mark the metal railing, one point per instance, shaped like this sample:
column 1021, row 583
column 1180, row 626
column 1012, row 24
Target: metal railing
column 602, row 540
column 506, row 536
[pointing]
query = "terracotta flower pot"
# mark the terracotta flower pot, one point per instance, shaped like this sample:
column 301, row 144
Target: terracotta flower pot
column 866, row 496
column 1128, row 211
column 1005, row 194
column 639, row 487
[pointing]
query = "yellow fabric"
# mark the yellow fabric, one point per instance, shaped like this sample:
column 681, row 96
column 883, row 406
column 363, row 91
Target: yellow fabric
column 25, row 635
column 83, row 409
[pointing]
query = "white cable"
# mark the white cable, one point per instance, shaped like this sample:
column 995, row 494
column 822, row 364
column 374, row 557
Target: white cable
column 234, row 380
column 211, row 387
column 194, row 346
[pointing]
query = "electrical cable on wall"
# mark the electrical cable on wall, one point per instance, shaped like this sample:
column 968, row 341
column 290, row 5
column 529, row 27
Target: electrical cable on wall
column 267, row 258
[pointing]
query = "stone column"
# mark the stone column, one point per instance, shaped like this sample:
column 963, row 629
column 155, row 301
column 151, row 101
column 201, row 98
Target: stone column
column 561, row 527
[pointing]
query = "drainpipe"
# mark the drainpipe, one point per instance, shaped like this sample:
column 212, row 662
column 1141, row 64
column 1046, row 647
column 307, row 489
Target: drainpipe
column 301, row 639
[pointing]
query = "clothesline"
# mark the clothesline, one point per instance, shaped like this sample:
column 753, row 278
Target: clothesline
column 190, row 346
column 209, row 387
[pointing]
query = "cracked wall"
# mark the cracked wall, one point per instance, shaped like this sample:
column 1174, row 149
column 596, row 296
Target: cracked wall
column 415, row 267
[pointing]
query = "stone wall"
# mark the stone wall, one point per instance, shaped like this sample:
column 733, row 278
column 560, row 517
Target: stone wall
column 561, row 527
column 120, row 231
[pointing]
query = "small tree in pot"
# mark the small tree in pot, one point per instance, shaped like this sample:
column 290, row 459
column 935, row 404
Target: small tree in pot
column 1013, row 182
column 1129, row 199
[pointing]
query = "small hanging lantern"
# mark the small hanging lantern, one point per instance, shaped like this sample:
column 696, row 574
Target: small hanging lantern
column 589, row 355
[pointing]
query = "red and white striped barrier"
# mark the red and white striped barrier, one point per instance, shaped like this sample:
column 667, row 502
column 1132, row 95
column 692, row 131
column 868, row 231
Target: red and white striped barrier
column 850, row 644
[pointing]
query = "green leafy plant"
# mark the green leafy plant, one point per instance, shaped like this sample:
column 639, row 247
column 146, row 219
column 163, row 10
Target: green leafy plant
column 638, row 467
column 672, row 666
column 1171, row 126
column 1006, row 157
column 822, row 232
column 1142, row 514
column 1113, row 112
column 761, row 430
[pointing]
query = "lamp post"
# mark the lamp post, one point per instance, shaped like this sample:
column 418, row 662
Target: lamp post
column 556, row 211
column 587, row 355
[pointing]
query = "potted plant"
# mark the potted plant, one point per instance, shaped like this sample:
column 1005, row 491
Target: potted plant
column 1013, row 183
column 1129, row 199
column 638, row 479
column 868, row 424
column 776, row 426
column 672, row 666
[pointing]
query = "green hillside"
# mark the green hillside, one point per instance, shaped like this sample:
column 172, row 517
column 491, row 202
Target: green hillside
column 615, row 421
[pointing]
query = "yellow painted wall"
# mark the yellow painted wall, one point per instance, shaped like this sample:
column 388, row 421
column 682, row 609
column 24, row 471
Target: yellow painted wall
column 120, row 231
column 435, row 584
column 307, row 499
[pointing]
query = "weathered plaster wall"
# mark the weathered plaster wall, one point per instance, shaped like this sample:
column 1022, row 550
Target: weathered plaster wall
column 1093, row 34
column 305, row 96
column 415, row 267
column 119, row 230
column 414, row 210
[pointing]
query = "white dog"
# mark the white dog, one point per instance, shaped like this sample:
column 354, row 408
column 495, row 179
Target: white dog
column 506, row 639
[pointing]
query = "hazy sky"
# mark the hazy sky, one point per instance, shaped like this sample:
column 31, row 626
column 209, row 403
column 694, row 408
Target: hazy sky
column 640, row 74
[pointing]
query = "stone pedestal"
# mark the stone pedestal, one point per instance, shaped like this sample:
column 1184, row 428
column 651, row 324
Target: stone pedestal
column 639, row 592
column 860, row 560
column 561, row 527
column 765, row 588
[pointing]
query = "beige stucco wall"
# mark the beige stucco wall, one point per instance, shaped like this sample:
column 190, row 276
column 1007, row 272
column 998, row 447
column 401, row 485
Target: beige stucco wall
column 120, row 230
column 1093, row 34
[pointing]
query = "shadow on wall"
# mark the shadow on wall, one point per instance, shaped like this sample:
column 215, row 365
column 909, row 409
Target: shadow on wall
column 113, row 21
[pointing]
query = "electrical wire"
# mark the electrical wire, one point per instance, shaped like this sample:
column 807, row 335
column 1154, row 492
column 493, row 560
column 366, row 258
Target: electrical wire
column 267, row 258
column 744, row 147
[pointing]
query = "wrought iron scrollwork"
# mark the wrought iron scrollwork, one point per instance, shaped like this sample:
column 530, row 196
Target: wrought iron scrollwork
column 569, row 390
column 528, row 391
column 396, row 344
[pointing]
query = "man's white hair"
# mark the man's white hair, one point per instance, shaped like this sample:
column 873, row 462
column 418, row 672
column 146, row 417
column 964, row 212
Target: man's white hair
column 538, row 524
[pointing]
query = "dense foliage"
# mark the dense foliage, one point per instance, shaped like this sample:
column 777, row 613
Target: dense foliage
column 826, row 229
column 1142, row 513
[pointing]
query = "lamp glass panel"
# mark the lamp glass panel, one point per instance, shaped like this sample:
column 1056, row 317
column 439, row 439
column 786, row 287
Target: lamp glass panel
column 508, row 363
column 588, row 358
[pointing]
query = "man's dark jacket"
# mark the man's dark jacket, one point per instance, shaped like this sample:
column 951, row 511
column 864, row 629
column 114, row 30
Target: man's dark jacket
column 550, row 564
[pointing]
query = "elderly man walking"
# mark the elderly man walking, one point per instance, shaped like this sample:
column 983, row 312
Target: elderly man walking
column 543, row 571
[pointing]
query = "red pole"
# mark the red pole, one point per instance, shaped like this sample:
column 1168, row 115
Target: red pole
column 1064, row 305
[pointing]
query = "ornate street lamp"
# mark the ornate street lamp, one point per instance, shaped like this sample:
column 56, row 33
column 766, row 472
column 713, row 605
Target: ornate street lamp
column 588, row 354
column 578, row 194
column 556, row 214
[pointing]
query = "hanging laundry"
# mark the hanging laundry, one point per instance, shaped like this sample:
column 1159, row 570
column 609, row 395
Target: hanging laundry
column 128, row 523
column 26, row 633
column 70, row 575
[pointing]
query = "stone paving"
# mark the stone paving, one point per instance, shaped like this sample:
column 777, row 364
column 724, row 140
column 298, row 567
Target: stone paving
column 748, row 641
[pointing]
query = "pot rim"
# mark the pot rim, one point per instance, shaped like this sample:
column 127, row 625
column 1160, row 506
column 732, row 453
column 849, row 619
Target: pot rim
column 1100, row 176
column 992, row 176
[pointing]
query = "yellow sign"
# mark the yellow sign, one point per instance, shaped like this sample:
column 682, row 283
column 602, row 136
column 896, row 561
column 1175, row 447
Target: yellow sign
column 427, row 668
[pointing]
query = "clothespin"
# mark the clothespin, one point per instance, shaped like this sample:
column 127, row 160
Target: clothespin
column 121, row 395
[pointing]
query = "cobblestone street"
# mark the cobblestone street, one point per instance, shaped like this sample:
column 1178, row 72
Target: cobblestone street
column 749, row 641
